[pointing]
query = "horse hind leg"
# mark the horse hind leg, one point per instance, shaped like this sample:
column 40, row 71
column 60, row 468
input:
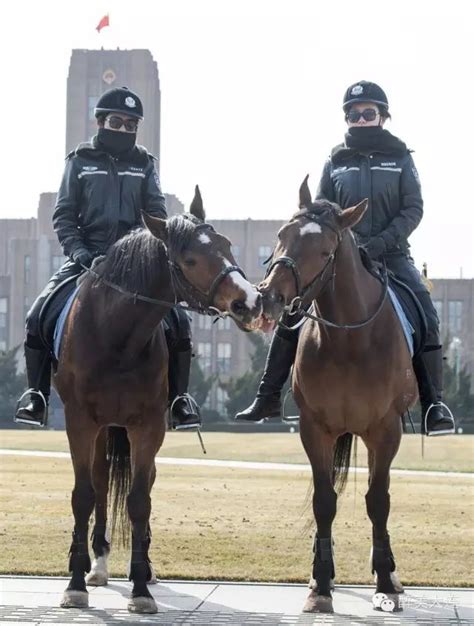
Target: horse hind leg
column 99, row 575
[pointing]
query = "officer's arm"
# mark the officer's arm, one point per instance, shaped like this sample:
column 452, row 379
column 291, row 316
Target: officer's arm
column 411, row 207
column 325, row 189
column 66, row 214
column 154, row 200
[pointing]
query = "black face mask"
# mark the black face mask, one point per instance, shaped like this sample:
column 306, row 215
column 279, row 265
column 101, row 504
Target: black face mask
column 115, row 142
column 373, row 138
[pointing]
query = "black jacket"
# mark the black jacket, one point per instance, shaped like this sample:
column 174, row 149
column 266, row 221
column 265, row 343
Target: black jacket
column 101, row 197
column 390, row 182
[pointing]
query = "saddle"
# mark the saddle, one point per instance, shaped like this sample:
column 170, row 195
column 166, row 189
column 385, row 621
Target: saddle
column 407, row 300
column 51, row 311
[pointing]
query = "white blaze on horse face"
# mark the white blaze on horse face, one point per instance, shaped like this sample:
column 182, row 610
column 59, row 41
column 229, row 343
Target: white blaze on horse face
column 238, row 280
column 312, row 227
column 205, row 239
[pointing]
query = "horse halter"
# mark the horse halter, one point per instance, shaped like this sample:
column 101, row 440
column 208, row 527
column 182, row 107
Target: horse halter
column 200, row 301
column 301, row 292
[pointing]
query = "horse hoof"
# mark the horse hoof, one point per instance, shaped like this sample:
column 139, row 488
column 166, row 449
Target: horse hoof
column 397, row 585
column 318, row 604
column 97, row 579
column 387, row 602
column 75, row 600
column 142, row 605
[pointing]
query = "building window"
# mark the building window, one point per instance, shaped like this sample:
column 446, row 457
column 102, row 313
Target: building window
column 204, row 322
column 455, row 316
column 3, row 345
column 27, row 270
column 204, row 351
column 224, row 323
column 92, row 101
column 57, row 261
column 263, row 253
column 221, row 399
column 236, row 253
column 3, row 323
column 224, row 352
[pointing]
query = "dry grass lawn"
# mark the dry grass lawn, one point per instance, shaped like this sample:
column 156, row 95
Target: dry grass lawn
column 212, row 523
column 442, row 453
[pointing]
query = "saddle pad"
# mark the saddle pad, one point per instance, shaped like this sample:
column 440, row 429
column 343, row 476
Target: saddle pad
column 408, row 329
column 58, row 329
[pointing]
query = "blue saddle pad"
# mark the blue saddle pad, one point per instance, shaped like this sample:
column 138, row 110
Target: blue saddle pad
column 59, row 328
column 408, row 329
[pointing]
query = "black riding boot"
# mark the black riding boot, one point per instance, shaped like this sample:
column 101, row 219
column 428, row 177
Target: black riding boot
column 184, row 410
column 277, row 368
column 429, row 374
column 38, row 373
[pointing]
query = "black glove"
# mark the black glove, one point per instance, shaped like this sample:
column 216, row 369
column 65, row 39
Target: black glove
column 375, row 247
column 83, row 257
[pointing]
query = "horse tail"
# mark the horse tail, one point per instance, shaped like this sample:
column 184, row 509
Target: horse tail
column 342, row 460
column 118, row 453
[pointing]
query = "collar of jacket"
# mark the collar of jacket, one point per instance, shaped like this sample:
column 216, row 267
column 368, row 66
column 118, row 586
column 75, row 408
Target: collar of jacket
column 139, row 155
column 341, row 152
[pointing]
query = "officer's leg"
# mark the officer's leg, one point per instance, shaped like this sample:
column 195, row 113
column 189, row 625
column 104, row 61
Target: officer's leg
column 184, row 410
column 280, row 358
column 34, row 409
column 428, row 365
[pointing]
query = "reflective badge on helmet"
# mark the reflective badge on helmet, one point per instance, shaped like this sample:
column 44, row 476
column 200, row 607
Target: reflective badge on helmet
column 130, row 102
column 357, row 90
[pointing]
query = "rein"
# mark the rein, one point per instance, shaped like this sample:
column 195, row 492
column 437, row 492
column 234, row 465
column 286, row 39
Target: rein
column 296, row 305
column 199, row 302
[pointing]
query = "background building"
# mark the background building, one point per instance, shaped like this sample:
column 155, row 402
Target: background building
column 91, row 72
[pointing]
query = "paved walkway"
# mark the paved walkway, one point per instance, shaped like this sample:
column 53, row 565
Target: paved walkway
column 35, row 600
column 249, row 465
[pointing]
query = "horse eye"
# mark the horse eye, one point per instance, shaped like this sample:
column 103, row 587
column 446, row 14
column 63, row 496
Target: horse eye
column 190, row 262
column 326, row 255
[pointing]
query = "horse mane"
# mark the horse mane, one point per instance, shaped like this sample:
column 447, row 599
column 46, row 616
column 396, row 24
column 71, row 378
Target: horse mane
column 134, row 260
column 321, row 208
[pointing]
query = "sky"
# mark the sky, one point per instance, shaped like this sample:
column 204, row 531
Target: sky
column 251, row 99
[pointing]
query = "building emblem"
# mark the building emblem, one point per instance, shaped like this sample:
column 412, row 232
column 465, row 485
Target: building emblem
column 109, row 77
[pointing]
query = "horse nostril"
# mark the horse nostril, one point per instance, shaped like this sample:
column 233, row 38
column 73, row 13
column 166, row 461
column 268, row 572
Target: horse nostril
column 238, row 307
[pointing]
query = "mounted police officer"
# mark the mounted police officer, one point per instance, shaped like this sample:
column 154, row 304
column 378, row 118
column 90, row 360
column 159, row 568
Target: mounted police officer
column 371, row 163
column 105, row 186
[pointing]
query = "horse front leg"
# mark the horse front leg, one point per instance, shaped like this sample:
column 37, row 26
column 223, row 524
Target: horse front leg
column 81, row 443
column 383, row 446
column 99, row 574
column 319, row 447
column 144, row 444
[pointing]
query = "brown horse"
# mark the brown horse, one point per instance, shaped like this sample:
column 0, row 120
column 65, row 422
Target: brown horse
column 112, row 378
column 352, row 374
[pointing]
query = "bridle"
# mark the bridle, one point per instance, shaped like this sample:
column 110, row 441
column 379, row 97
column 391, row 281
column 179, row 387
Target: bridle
column 296, row 306
column 198, row 301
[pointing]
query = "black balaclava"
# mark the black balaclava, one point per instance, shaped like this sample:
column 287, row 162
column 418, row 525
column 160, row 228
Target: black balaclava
column 115, row 142
column 373, row 138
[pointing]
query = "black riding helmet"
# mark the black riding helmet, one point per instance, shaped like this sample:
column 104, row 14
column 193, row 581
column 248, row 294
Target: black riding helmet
column 119, row 100
column 365, row 91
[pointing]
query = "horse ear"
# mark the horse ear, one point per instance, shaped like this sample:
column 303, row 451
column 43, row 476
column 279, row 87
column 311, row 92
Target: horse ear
column 349, row 217
column 197, row 208
column 305, row 194
column 156, row 226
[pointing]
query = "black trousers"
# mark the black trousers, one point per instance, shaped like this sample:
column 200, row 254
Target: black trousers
column 405, row 270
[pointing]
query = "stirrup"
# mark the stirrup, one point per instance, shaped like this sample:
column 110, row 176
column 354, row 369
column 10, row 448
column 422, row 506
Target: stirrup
column 32, row 422
column 435, row 433
column 288, row 419
column 193, row 408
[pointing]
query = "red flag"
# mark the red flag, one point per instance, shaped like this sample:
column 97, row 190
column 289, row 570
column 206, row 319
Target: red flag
column 103, row 23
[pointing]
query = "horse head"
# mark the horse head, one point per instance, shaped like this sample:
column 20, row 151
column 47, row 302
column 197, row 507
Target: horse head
column 305, row 254
column 204, row 271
